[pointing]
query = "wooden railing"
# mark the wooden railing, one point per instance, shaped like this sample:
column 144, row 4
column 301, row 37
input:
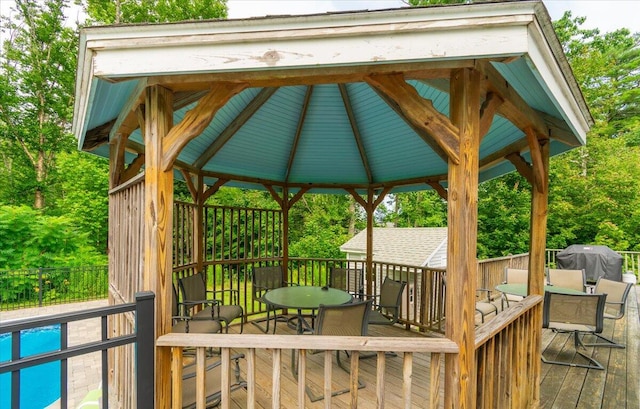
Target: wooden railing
column 508, row 357
column 248, row 344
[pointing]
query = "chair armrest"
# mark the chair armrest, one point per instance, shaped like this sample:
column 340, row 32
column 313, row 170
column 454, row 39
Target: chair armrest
column 191, row 303
column 235, row 294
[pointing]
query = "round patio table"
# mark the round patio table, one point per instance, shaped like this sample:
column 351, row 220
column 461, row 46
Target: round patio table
column 521, row 289
column 305, row 298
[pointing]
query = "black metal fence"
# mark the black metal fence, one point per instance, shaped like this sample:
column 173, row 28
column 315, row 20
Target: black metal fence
column 143, row 337
column 36, row 287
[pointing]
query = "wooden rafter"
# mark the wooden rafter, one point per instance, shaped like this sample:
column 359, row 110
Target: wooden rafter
column 296, row 137
column 356, row 131
column 419, row 111
column 237, row 123
column 514, row 108
column 196, row 120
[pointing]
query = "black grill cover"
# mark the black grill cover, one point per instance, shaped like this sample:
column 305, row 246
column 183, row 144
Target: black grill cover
column 597, row 261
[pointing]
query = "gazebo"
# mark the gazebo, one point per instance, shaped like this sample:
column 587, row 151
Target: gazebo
column 364, row 103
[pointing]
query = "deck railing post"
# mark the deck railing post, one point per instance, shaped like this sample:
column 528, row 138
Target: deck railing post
column 145, row 336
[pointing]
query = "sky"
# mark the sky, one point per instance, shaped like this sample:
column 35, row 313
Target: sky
column 607, row 15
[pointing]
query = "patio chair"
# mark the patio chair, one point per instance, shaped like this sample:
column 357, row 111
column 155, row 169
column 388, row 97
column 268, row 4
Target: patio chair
column 577, row 314
column 387, row 310
column 263, row 279
column 213, row 381
column 342, row 320
column 486, row 306
column 617, row 294
column 195, row 293
column 183, row 323
column 350, row 280
column 573, row 279
column 514, row 276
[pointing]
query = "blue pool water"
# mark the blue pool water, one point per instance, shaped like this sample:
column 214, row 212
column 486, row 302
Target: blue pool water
column 39, row 385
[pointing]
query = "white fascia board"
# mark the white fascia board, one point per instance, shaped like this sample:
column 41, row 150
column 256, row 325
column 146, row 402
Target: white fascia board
column 559, row 84
column 84, row 91
column 364, row 38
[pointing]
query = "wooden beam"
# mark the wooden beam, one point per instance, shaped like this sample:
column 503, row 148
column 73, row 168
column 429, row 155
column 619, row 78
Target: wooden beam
column 213, row 189
column 158, row 217
column 442, row 192
column 116, row 168
column 537, row 252
column 462, row 265
column 488, row 111
column 298, row 196
column 536, row 158
column 356, row 131
column 133, row 168
column 419, row 111
column 190, row 185
column 237, row 123
column 309, row 76
column 522, row 166
column 127, row 120
column 196, row 120
column 514, row 108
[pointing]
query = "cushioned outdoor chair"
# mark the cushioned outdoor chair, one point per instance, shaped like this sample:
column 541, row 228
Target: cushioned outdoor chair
column 573, row 279
column 617, row 294
column 514, row 276
column 183, row 323
column 263, row 279
column 195, row 293
column 386, row 310
column 577, row 314
column 213, row 381
column 487, row 304
column 350, row 280
column 342, row 320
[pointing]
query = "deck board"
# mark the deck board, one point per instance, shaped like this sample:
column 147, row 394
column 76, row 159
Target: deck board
column 616, row 387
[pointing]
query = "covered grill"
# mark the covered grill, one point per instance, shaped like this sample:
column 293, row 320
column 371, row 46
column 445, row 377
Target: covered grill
column 597, row 261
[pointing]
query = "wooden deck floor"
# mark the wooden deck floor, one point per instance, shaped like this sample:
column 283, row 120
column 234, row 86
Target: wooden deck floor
column 615, row 387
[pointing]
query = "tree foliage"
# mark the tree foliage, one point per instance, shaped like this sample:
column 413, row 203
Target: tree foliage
column 154, row 11
column 37, row 71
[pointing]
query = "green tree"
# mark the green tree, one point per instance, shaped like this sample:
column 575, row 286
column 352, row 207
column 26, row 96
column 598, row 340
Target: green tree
column 154, row 11
column 36, row 100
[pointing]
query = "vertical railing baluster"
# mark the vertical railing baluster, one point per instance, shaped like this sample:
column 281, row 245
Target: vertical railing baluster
column 15, row 375
column 64, row 368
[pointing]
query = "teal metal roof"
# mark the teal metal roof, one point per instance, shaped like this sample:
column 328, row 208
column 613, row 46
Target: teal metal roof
column 326, row 152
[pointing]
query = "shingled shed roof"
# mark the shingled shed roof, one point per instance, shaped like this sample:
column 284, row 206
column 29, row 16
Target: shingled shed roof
column 413, row 245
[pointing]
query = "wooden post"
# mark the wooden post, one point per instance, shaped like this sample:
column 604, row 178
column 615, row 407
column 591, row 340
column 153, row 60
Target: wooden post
column 198, row 231
column 285, row 234
column 460, row 388
column 537, row 249
column 369, row 257
column 158, row 228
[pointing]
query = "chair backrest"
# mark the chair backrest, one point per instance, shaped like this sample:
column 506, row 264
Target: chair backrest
column 266, row 278
column 616, row 292
column 193, row 287
column 347, row 279
column 515, row 276
column 573, row 311
column 345, row 320
column 391, row 294
column 574, row 279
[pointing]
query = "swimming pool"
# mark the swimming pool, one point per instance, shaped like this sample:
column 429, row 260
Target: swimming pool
column 39, row 385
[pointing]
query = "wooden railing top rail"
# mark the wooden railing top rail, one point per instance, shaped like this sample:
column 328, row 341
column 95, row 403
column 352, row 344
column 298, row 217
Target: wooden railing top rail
column 324, row 342
column 489, row 330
